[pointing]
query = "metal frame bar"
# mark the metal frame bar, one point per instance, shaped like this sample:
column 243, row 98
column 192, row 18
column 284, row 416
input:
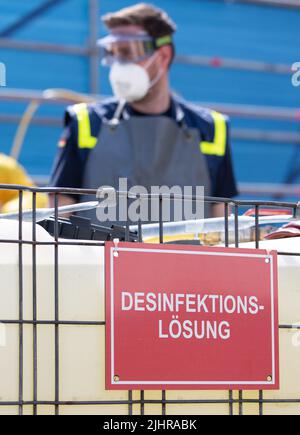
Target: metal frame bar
column 289, row 4
column 94, row 15
column 246, row 65
column 21, row 344
column 236, row 133
column 56, row 304
column 238, row 110
column 231, row 63
column 28, row 17
column 34, row 303
column 44, row 47
column 251, row 189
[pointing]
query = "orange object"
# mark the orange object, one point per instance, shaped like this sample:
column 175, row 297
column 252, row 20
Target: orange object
column 291, row 229
column 267, row 212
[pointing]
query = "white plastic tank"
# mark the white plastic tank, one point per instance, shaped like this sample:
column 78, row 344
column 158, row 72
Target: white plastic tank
column 82, row 347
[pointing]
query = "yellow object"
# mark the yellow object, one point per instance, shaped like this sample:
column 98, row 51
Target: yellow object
column 218, row 146
column 13, row 173
column 173, row 238
column 85, row 139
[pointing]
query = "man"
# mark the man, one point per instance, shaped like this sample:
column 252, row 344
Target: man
column 145, row 134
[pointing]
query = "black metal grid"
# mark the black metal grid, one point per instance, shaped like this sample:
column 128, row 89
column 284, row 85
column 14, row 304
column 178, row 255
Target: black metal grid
column 234, row 398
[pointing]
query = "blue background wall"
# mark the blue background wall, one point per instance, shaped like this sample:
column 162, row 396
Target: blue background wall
column 209, row 28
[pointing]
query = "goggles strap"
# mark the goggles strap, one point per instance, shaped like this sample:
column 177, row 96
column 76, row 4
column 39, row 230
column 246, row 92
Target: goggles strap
column 163, row 40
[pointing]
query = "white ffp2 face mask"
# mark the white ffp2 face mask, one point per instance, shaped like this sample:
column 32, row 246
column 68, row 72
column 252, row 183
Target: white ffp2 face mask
column 130, row 81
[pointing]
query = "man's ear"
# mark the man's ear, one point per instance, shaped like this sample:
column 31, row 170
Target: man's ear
column 166, row 55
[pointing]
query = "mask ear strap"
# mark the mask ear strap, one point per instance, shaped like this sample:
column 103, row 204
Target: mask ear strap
column 115, row 121
column 157, row 78
column 159, row 74
column 179, row 114
column 150, row 60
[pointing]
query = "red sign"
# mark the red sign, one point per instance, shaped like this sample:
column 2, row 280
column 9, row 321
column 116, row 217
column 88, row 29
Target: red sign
column 189, row 317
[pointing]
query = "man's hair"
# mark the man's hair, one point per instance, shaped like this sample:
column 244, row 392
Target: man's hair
column 153, row 20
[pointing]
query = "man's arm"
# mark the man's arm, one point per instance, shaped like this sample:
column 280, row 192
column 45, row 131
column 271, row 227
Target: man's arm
column 218, row 210
column 62, row 200
column 67, row 170
column 225, row 183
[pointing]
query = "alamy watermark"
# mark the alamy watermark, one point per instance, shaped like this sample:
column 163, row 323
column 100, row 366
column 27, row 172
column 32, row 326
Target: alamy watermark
column 2, row 74
column 149, row 205
column 296, row 75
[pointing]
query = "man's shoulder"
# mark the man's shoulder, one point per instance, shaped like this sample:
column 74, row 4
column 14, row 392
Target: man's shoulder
column 200, row 117
column 96, row 110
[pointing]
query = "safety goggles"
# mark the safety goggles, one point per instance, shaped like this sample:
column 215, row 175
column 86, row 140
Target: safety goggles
column 129, row 48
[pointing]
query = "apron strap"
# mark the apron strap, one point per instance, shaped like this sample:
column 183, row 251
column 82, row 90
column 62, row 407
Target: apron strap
column 180, row 119
column 115, row 121
column 121, row 111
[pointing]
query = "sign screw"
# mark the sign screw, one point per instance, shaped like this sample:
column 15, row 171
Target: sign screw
column 269, row 378
column 267, row 260
column 116, row 253
column 116, row 378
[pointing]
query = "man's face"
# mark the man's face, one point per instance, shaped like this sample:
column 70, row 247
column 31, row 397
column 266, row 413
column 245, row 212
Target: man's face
column 128, row 51
column 134, row 51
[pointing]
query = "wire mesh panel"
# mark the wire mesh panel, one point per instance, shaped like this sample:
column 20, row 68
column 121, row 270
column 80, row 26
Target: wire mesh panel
column 52, row 318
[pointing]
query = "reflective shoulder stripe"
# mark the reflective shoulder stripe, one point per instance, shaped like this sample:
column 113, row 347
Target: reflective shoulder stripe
column 218, row 146
column 85, row 139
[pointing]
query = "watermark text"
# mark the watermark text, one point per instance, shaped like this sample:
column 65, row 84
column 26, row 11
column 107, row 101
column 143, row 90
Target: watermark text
column 2, row 75
column 296, row 75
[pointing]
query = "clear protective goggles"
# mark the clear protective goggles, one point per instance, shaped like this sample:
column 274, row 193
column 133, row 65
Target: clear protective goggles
column 126, row 48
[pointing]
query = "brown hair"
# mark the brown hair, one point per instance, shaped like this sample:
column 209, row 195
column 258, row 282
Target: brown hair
column 153, row 20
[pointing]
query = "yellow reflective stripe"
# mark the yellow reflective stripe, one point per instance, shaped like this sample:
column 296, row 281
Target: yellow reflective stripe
column 218, row 146
column 85, row 139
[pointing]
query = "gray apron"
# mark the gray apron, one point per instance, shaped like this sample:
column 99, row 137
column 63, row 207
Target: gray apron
column 148, row 151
